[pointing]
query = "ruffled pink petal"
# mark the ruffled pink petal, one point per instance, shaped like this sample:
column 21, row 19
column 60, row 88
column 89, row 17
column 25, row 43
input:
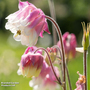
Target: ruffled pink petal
column 45, row 28
column 41, row 34
column 22, row 4
column 33, row 26
column 65, row 35
column 33, row 14
column 36, row 21
column 31, row 17
column 39, row 28
column 24, row 12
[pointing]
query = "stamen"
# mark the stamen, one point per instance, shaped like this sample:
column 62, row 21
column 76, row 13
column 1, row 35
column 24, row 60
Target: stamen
column 18, row 33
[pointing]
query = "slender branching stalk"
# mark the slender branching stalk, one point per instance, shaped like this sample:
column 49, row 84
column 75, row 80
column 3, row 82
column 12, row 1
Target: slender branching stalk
column 62, row 48
column 53, row 15
column 70, row 87
column 58, row 79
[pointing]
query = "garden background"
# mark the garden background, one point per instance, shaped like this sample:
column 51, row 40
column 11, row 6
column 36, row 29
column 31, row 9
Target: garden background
column 69, row 15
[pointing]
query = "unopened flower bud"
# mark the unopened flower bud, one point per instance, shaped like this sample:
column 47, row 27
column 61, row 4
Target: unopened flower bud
column 52, row 52
column 85, row 41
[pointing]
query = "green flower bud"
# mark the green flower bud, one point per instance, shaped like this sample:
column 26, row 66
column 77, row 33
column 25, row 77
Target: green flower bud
column 52, row 53
column 85, row 41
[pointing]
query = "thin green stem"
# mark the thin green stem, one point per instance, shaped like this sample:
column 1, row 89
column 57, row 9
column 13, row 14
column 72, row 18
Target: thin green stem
column 62, row 48
column 85, row 67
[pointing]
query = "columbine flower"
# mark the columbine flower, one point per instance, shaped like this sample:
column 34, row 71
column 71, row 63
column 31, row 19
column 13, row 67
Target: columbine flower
column 52, row 53
column 69, row 41
column 81, row 82
column 31, row 64
column 27, row 23
column 46, row 79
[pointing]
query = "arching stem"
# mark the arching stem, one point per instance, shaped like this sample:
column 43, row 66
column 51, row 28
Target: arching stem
column 62, row 48
column 58, row 79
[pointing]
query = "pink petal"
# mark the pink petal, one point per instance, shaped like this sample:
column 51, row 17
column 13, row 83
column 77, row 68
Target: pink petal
column 22, row 4
column 36, row 21
column 31, row 17
column 65, row 35
column 34, row 14
column 39, row 28
column 45, row 27
column 33, row 26
column 41, row 34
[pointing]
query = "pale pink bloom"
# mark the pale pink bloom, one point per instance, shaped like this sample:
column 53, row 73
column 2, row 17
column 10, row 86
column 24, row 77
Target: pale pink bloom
column 70, row 43
column 27, row 23
column 81, row 82
column 31, row 64
column 46, row 79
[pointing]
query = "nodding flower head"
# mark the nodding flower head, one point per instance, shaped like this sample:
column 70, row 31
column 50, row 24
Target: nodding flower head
column 27, row 23
column 31, row 64
column 46, row 79
column 52, row 53
column 69, row 41
column 81, row 82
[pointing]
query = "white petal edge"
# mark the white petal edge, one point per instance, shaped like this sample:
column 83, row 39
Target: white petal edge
column 19, row 72
column 80, row 49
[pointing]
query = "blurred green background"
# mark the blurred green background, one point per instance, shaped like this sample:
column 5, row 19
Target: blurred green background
column 69, row 15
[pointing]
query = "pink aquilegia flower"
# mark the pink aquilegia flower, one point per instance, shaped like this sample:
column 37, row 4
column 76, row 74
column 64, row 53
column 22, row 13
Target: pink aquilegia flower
column 81, row 82
column 27, row 23
column 69, row 41
column 46, row 79
column 28, row 50
column 31, row 64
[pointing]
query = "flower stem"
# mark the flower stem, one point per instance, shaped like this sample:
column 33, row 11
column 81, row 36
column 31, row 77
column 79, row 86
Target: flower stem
column 58, row 79
column 70, row 87
column 85, row 67
column 62, row 48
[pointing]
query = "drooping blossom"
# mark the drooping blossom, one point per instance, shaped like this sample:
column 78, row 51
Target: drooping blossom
column 27, row 23
column 46, row 79
column 69, row 41
column 81, row 82
column 52, row 53
column 31, row 63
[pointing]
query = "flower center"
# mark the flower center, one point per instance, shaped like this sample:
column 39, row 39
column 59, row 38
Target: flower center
column 19, row 32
